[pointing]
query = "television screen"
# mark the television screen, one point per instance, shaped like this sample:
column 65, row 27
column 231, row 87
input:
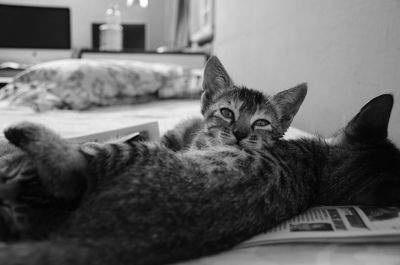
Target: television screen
column 34, row 27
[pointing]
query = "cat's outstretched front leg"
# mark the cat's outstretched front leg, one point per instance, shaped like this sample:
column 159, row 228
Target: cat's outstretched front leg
column 59, row 163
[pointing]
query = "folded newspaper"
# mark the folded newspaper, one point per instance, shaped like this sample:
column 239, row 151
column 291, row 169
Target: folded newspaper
column 338, row 224
column 147, row 131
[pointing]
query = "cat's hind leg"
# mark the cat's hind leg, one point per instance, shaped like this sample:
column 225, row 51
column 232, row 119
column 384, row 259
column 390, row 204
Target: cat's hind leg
column 59, row 163
column 15, row 168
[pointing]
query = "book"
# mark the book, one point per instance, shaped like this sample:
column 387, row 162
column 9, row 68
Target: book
column 335, row 224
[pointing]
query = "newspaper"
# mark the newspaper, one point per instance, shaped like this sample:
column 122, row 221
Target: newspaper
column 147, row 131
column 339, row 224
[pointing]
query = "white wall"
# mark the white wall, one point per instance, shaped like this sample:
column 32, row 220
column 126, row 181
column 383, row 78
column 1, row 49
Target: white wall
column 86, row 12
column 347, row 50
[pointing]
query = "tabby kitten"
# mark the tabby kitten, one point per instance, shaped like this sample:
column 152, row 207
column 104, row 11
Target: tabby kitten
column 142, row 203
column 235, row 115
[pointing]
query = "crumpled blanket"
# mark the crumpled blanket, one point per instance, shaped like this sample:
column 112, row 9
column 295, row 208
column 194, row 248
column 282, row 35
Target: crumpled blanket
column 82, row 84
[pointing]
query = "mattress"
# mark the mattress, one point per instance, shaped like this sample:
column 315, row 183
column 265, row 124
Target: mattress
column 307, row 254
column 72, row 123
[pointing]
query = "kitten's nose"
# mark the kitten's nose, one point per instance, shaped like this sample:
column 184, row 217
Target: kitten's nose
column 239, row 135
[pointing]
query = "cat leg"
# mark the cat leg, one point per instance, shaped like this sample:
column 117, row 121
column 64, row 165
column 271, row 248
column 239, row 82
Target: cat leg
column 181, row 136
column 8, row 192
column 14, row 166
column 59, row 164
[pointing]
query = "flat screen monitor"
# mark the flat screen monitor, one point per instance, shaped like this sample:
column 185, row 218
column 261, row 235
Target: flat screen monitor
column 34, row 27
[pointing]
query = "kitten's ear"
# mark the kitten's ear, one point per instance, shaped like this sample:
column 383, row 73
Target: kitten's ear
column 371, row 122
column 215, row 77
column 288, row 102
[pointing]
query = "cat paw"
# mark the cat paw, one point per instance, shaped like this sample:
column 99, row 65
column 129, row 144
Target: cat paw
column 14, row 168
column 23, row 133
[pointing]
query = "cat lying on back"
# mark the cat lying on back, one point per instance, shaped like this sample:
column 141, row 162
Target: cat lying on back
column 235, row 115
column 141, row 203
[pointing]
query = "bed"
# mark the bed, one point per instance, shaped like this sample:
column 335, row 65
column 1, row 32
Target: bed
column 82, row 84
column 73, row 123
column 57, row 94
column 83, row 96
column 307, row 254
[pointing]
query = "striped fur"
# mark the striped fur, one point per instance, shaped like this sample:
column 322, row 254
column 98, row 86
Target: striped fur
column 181, row 136
column 247, row 108
column 142, row 203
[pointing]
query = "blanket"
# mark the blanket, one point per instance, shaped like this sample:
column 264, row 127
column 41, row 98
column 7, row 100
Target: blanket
column 82, row 84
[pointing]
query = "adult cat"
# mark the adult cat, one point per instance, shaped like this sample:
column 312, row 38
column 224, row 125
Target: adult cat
column 150, row 205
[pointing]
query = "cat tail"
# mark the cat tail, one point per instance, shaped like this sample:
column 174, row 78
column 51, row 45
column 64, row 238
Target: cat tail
column 44, row 253
column 181, row 136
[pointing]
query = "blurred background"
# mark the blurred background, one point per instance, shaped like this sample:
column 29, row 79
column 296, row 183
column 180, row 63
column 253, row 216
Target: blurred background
column 348, row 51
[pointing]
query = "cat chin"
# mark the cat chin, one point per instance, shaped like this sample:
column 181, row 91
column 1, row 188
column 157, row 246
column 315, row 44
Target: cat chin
column 248, row 147
column 242, row 146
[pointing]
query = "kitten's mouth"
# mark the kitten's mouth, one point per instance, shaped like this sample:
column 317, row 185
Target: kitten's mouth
column 238, row 144
column 233, row 142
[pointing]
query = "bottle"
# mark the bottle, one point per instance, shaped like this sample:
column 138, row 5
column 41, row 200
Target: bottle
column 111, row 31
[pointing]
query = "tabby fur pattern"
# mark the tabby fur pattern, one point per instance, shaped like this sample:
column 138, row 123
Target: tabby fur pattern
column 142, row 203
column 235, row 115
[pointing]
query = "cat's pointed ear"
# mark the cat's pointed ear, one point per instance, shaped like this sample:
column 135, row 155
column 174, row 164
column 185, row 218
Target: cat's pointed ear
column 215, row 77
column 288, row 102
column 371, row 122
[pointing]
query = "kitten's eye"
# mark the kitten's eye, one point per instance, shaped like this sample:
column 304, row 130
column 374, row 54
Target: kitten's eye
column 261, row 123
column 227, row 113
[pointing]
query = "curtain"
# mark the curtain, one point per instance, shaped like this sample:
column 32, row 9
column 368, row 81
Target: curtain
column 178, row 30
column 182, row 26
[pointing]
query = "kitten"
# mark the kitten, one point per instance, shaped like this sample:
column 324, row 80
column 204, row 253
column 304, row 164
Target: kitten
column 235, row 115
column 142, row 203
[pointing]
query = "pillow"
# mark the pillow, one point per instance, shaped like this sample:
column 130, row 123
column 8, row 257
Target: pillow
column 83, row 83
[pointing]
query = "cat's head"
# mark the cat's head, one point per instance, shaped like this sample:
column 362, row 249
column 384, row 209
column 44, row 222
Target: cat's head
column 372, row 163
column 243, row 116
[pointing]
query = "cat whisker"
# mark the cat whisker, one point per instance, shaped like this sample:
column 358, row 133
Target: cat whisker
column 224, row 135
column 253, row 138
